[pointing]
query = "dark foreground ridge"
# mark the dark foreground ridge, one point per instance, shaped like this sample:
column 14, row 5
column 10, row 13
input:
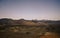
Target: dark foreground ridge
column 10, row 28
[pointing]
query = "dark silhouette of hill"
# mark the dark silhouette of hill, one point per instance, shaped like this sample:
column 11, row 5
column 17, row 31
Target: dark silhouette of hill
column 24, row 27
column 50, row 23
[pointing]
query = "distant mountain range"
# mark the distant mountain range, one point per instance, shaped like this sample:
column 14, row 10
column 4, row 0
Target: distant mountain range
column 7, row 21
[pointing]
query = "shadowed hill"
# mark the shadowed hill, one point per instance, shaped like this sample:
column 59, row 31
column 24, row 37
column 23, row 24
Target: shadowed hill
column 10, row 28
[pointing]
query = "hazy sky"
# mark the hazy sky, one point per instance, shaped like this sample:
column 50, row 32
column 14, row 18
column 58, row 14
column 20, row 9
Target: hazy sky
column 30, row 9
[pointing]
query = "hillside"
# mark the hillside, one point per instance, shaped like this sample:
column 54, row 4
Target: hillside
column 10, row 28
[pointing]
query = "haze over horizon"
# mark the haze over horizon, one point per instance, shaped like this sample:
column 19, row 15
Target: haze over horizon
column 30, row 9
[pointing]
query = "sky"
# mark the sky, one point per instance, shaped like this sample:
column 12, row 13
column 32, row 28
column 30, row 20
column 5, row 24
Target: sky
column 30, row 9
